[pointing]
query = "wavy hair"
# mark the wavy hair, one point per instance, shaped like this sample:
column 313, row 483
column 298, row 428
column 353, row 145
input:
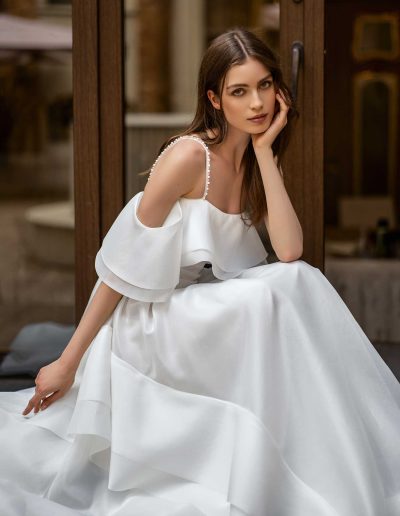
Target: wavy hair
column 230, row 48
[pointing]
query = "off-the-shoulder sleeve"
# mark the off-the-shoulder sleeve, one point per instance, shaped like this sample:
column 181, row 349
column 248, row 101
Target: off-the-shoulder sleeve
column 139, row 261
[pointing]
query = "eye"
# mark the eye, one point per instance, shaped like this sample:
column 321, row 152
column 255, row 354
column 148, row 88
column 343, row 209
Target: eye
column 266, row 84
column 234, row 92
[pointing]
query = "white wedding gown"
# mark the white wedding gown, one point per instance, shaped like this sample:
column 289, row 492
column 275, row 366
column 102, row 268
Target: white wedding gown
column 244, row 388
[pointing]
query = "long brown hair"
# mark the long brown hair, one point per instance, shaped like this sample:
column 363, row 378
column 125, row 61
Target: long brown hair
column 231, row 48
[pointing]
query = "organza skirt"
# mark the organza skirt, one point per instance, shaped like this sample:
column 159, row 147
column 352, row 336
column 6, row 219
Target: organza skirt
column 258, row 395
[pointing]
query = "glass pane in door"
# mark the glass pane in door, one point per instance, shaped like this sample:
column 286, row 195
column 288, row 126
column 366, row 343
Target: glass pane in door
column 164, row 43
column 36, row 188
column 362, row 167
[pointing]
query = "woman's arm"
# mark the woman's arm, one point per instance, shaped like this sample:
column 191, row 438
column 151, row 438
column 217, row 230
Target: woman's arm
column 281, row 220
column 96, row 314
column 55, row 379
column 283, row 226
column 179, row 170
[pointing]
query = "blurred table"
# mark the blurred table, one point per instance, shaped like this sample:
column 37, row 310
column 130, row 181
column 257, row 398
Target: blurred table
column 371, row 290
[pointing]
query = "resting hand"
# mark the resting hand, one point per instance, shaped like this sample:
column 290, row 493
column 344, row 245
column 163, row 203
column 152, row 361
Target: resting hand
column 266, row 138
column 52, row 382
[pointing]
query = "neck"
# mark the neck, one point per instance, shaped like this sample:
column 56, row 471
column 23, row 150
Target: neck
column 232, row 148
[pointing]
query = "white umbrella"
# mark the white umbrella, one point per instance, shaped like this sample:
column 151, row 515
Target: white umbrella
column 30, row 34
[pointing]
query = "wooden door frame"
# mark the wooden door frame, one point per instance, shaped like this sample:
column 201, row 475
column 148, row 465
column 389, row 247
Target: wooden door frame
column 99, row 147
column 99, row 150
column 303, row 165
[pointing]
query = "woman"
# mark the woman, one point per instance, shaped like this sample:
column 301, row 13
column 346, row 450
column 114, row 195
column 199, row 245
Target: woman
column 202, row 380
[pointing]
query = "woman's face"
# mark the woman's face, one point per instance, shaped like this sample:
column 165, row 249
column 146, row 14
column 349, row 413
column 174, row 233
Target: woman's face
column 248, row 91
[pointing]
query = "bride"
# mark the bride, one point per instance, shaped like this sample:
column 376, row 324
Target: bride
column 202, row 380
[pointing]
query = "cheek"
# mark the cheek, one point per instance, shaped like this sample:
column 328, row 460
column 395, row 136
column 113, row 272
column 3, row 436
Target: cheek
column 270, row 97
column 232, row 107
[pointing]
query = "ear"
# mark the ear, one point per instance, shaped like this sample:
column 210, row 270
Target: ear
column 214, row 99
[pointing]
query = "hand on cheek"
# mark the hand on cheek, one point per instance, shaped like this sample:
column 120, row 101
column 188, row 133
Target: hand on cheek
column 278, row 122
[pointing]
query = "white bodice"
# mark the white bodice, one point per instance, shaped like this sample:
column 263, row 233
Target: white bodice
column 148, row 263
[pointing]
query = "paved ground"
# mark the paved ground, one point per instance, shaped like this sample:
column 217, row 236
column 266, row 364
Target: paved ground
column 29, row 291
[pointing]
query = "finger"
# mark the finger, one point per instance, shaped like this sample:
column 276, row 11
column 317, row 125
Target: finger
column 282, row 99
column 35, row 401
column 281, row 115
column 283, row 107
column 36, row 404
column 28, row 408
column 51, row 399
column 281, row 94
column 41, row 393
column 283, row 104
column 31, row 404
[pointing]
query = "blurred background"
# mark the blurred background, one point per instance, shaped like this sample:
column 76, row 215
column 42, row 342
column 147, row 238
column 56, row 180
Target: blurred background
column 164, row 43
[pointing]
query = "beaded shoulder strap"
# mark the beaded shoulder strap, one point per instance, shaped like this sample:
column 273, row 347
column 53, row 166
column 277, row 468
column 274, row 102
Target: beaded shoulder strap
column 199, row 140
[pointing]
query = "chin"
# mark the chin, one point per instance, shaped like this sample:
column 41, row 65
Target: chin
column 259, row 130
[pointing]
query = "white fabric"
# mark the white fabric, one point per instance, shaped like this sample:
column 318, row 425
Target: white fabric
column 145, row 263
column 255, row 395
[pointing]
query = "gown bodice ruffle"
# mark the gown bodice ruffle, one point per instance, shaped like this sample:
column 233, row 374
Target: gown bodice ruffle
column 190, row 235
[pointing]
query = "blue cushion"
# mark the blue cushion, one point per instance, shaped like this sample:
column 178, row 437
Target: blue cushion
column 35, row 346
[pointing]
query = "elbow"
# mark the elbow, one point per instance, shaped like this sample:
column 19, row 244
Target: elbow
column 290, row 255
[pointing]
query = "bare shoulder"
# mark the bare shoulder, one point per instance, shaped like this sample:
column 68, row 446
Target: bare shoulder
column 183, row 161
column 175, row 173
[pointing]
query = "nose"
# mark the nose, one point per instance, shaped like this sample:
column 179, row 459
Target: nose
column 256, row 100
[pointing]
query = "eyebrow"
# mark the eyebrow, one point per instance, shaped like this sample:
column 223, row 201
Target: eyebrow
column 262, row 80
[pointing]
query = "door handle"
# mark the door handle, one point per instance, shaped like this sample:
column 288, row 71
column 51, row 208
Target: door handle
column 297, row 61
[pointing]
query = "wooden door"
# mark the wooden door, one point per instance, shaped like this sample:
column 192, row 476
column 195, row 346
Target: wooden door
column 98, row 93
column 304, row 21
column 98, row 56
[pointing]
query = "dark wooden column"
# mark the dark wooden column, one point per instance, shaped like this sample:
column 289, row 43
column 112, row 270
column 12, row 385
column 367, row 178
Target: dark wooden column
column 303, row 164
column 98, row 94
column 154, row 52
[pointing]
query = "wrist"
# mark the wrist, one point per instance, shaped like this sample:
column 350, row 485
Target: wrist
column 264, row 147
column 264, row 150
column 69, row 362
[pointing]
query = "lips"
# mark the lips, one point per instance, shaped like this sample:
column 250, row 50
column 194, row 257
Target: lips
column 258, row 117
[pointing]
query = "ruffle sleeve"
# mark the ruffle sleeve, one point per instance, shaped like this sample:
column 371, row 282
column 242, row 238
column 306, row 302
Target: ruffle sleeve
column 139, row 261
